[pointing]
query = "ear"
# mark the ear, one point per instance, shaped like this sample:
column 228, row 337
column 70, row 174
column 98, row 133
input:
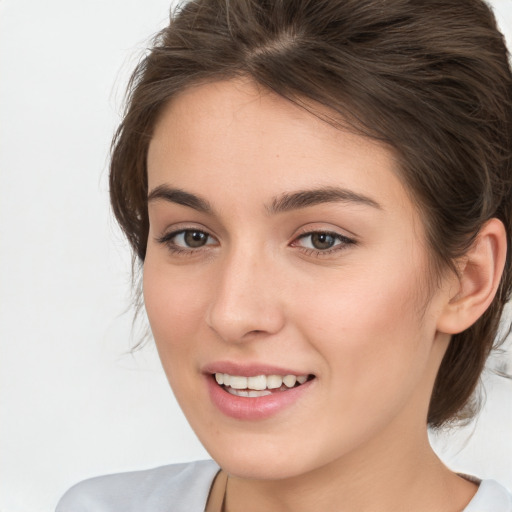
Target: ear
column 480, row 272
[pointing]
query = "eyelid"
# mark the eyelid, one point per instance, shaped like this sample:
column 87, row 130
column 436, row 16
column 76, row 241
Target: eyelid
column 178, row 227
column 325, row 227
column 344, row 241
column 334, row 234
column 167, row 239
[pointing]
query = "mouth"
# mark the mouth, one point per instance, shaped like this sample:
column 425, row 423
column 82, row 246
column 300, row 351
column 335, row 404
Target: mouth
column 259, row 385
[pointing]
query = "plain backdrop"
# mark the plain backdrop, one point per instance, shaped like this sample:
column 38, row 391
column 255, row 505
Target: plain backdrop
column 74, row 401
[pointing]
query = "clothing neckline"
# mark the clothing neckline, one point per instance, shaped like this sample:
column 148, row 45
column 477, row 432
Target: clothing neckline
column 215, row 500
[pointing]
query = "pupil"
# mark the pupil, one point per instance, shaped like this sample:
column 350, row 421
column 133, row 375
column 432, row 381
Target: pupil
column 322, row 240
column 195, row 238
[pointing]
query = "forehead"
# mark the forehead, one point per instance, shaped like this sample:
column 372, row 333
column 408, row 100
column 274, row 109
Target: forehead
column 251, row 140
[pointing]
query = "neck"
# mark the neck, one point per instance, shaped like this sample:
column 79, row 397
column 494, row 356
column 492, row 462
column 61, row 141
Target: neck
column 387, row 476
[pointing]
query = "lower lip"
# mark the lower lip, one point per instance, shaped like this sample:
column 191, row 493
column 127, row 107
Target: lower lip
column 254, row 408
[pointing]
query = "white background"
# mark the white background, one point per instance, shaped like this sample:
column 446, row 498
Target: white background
column 74, row 402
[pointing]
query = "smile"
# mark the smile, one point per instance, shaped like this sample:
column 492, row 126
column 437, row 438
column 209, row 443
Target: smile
column 260, row 385
column 256, row 391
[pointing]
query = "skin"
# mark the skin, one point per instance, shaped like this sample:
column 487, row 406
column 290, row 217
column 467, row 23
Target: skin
column 360, row 318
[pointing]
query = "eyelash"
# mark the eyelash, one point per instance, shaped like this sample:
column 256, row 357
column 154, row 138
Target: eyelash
column 167, row 240
column 344, row 241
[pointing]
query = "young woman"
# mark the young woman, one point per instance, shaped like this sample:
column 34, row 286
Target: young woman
column 319, row 194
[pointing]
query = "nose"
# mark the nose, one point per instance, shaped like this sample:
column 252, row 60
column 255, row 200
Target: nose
column 246, row 301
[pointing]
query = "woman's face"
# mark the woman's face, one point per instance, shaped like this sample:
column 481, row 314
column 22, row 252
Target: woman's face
column 280, row 246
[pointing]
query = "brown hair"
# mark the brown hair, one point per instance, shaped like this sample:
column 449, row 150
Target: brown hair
column 429, row 77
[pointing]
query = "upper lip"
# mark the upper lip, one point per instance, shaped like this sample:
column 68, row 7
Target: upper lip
column 248, row 369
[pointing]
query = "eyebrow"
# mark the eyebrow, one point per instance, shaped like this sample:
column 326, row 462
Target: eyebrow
column 306, row 198
column 178, row 196
column 284, row 203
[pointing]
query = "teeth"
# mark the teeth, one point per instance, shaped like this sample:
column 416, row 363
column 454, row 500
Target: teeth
column 248, row 393
column 253, row 394
column 290, row 381
column 274, row 381
column 237, row 382
column 258, row 383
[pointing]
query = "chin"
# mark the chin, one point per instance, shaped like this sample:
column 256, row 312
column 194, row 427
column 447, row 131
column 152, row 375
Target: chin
column 260, row 468
column 256, row 458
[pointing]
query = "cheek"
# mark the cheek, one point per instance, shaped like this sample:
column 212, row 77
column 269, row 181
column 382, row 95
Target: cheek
column 370, row 330
column 361, row 301
column 174, row 305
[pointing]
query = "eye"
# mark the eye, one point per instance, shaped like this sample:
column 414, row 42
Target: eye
column 322, row 241
column 187, row 239
column 192, row 239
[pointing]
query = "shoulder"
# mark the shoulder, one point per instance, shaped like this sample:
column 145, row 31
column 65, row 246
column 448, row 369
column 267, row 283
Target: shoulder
column 490, row 497
column 184, row 486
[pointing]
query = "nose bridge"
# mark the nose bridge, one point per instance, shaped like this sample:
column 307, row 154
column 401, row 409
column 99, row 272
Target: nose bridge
column 246, row 299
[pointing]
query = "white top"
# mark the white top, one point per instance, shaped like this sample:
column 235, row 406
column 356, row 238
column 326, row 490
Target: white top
column 185, row 488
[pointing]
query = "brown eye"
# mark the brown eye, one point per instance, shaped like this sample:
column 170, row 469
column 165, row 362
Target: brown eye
column 195, row 239
column 187, row 240
column 322, row 241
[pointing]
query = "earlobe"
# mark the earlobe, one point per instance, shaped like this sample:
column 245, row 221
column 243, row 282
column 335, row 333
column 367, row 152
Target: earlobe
column 479, row 276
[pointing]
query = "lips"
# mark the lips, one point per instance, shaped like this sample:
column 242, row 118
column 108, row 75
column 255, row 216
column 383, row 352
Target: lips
column 254, row 392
